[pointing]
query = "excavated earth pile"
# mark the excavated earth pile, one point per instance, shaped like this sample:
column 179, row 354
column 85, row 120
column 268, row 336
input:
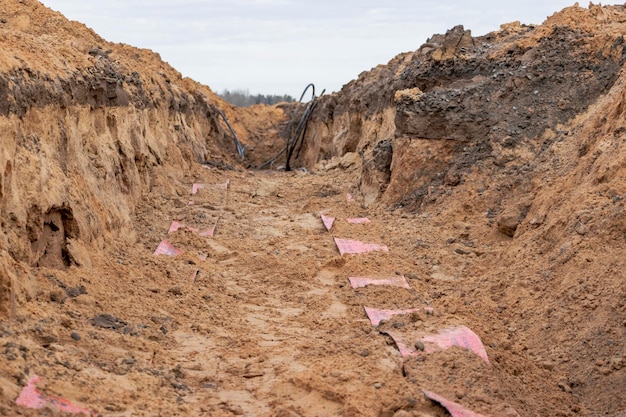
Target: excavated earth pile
column 453, row 247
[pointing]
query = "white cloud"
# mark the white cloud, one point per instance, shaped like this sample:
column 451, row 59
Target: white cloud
column 275, row 46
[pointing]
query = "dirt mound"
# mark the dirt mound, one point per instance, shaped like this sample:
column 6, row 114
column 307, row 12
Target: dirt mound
column 485, row 175
column 511, row 144
column 91, row 120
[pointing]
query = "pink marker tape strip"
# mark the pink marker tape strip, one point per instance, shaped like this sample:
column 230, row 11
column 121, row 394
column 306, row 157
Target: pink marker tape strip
column 358, row 282
column 197, row 187
column 354, row 246
column 166, row 248
column 328, row 221
column 456, row 410
column 377, row 315
column 176, row 225
column 208, row 232
column 455, row 336
column 31, row 397
column 358, row 220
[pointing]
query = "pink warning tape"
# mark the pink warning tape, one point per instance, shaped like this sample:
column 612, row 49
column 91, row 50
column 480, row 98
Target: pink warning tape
column 207, row 232
column 456, row 410
column 455, row 336
column 354, row 246
column 166, row 248
column 377, row 315
column 176, row 225
column 358, row 282
column 404, row 345
column 328, row 221
column 31, row 397
column 458, row 336
column 197, row 187
column 358, row 220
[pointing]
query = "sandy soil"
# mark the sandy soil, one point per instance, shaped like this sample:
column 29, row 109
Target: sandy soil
column 260, row 319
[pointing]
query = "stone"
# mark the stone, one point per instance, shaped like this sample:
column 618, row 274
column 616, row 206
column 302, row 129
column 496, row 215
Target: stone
column 108, row 321
column 176, row 290
column 564, row 385
column 438, row 276
column 511, row 218
column 581, row 228
column 57, row 296
column 76, row 291
column 48, row 339
column 350, row 159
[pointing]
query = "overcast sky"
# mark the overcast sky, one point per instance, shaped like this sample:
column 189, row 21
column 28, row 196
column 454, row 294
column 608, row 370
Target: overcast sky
column 279, row 46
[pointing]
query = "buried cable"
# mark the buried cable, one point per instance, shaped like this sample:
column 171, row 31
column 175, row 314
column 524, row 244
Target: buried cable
column 306, row 124
column 300, row 130
column 273, row 159
column 240, row 148
column 298, row 133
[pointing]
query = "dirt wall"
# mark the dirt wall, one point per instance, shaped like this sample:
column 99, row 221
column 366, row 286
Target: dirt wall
column 491, row 98
column 88, row 128
column 512, row 146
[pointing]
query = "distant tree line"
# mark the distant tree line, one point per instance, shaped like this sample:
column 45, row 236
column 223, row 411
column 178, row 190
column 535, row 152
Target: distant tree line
column 242, row 98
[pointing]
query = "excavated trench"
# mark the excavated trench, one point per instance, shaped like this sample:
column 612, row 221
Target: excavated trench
column 473, row 266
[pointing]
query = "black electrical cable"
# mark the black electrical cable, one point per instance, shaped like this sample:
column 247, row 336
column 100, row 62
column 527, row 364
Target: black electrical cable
column 240, row 148
column 296, row 135
column 306, row 125
column 301, row 127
